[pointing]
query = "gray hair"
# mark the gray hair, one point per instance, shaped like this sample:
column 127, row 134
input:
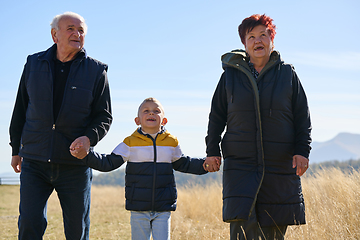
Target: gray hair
column 55, row 22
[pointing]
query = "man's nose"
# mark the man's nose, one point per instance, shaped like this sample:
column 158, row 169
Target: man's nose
column 77, row 33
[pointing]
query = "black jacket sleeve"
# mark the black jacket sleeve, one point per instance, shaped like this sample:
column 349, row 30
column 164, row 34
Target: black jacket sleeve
column 217, row 119
column 101, row 112
column 19, row 115
column 302, row 121
column 187, row 164
column 103, row 162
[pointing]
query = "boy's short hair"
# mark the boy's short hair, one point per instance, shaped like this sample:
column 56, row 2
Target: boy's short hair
column 154, row 100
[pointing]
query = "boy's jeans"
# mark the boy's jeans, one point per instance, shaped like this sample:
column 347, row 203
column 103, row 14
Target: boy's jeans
column 72, row 184
column 146, row 223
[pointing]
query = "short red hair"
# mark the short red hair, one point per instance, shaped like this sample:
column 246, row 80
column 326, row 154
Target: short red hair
column 249, row 23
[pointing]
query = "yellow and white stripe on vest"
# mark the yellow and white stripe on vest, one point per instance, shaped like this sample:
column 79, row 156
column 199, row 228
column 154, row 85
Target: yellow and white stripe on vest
column 139, row 148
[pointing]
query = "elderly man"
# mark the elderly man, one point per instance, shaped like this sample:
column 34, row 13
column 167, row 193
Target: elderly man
column 63, row 97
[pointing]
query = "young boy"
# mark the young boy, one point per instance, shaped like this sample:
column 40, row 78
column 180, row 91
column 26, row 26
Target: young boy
column 151, row 154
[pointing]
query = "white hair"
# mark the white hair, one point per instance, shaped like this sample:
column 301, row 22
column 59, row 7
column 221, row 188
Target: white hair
column 55, row 22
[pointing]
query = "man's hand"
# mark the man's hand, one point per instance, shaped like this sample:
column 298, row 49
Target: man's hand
column 16, row 163
column 301, row 164
column 80, row 147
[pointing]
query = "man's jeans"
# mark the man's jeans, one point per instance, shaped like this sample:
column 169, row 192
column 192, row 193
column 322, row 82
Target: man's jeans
column 144, row 224
column 72, row 184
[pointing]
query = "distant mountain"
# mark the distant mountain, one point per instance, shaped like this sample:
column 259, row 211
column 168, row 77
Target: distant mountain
column 342, row 147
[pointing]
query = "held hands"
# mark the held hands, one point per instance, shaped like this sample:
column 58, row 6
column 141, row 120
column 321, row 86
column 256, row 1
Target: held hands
column 301, row 164
column 212, row 164
column 80, row 147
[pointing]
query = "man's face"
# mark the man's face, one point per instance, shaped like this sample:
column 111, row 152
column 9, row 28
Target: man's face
column 70, row 36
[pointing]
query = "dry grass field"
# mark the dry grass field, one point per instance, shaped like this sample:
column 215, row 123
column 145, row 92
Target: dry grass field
column 332, row 206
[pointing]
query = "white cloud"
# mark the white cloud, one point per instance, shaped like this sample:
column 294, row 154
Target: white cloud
column 349, row 61
column 318, row 98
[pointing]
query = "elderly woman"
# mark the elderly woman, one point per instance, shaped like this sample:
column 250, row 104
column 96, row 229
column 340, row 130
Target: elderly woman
column 266, row 144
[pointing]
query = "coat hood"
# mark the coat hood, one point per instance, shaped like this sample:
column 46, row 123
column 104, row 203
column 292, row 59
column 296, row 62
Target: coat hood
column 239, row 57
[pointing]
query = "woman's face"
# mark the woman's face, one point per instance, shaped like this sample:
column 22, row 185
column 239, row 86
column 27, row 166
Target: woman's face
column 258, row 43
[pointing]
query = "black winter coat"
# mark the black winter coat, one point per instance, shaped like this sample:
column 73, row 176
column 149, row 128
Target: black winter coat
column 267, row 123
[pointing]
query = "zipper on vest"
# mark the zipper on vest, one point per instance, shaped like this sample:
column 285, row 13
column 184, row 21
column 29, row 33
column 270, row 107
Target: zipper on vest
column 53, row 127
column 154, row 175
column 253, row 82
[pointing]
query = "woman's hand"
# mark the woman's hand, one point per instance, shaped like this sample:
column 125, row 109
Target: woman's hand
column 212, row 164
column 301, row 164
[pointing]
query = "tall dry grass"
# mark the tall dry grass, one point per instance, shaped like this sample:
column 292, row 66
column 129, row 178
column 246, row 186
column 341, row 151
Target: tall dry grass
column 332, row 201
column 198, row 215
column 109, row 219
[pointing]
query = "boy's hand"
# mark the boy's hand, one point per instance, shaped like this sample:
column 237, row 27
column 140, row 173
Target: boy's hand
column 80, row 147
column 212, row 164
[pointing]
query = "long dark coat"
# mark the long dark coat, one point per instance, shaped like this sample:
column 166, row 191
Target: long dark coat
column 267, row 122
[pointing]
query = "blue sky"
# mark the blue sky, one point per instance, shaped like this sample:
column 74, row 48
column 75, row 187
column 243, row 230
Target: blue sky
column 171, row 50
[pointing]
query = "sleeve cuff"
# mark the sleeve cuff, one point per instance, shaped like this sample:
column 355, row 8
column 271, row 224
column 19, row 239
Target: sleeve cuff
column 15, row 149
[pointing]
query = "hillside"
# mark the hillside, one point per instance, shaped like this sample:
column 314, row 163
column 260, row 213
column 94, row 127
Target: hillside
column 342, row 152
column 118, row 178
column 345, row 166
column 342, row 147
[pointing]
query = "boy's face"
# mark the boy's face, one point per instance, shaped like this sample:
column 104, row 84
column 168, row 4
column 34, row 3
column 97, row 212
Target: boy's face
column 151, row 117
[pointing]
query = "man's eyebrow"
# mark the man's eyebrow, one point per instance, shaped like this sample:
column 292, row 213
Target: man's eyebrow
column 73, row 26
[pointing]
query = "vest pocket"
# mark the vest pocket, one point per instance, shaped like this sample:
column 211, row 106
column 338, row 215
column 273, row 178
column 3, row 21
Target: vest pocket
column 81, row 99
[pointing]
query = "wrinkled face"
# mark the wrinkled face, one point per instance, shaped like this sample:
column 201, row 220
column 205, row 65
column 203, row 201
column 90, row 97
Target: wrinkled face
column 258, row 43
column 151, row 117
column 71, row 36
